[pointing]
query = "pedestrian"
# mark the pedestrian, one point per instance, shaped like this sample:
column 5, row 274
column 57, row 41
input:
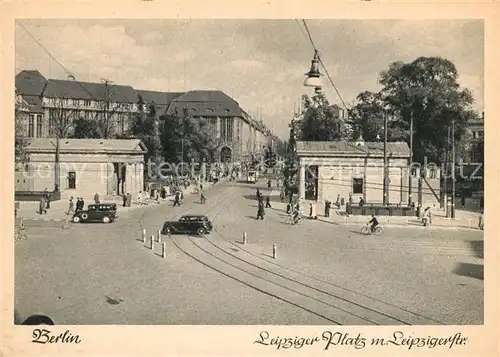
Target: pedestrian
column 350, row 199
column 462, row 201
column 71, row 208
column 129, row 199
column 268, row 201
column 203, row 199
column 312, row 211
column 114, row 195
column 337, row 203
column 288, row 208
column 260, row 211
column 177, row 199
column 361, row 202
column 480, row 224
column 328, row 205
column 201, row 187
column 43, row 206
column 46, row 193
column 269, row 184
column 282, row 196
column 124, row 197
column 96, row 198
column 258, row 194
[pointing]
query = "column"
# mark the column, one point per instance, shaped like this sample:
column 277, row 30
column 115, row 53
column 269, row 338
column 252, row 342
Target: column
column 302, row 181
column 140, row 176
column 128, row 174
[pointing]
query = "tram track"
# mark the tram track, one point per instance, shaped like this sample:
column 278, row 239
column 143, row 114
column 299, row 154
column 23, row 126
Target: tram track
column 288, row 285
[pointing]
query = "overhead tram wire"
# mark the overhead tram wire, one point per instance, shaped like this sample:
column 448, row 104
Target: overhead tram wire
column 55, row 60
column 324, row 67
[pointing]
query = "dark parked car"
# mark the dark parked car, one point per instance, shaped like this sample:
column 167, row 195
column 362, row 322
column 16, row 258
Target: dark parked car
column 103, row 212
column 188, row 224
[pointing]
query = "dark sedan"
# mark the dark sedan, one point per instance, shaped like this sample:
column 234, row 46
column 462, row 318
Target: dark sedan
column 191, row 224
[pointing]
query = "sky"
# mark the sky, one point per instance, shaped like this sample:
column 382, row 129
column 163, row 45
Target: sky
column 259, row 63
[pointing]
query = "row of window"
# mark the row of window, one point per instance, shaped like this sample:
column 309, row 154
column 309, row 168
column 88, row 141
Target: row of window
column 478, row 134
column 35, row 126
column 89, row 103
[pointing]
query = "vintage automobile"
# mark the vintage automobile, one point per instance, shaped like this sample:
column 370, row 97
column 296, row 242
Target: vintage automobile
column 198, row 224
column 102, row 212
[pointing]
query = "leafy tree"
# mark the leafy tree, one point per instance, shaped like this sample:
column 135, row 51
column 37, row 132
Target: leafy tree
column 144, row 126
column 428, row 90
column 85, row 129
column 20, row 141
column 187, row 139
column 321, row 121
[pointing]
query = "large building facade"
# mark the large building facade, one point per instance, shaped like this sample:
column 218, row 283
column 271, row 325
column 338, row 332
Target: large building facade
column 82, row 167
column 50, row 108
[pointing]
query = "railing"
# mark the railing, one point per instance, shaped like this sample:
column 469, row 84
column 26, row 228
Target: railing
column 378, row 209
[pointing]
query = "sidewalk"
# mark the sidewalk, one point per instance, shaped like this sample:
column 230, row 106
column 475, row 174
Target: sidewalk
column 463, row 219
column 58, row 209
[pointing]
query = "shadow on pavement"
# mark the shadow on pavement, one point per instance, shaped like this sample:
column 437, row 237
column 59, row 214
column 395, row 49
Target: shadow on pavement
column 478, row 248
column 475, row 271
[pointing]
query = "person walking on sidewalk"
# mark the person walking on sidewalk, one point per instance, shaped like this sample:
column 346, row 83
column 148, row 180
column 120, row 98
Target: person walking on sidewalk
column 177, row 199
column 71, row 208
column 47, row 198
column 124, row 197
column 312, row 211
column 260, row 211
column 203, row 199
column 43, row 206
column 96, row 198
column 337, row 203
column 328, row 205
column 480, row 224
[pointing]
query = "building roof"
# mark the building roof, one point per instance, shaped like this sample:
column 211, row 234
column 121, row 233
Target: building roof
column 124, row 146
column 30, row 83
column 159, row 98
column 206, row 103
column 343, row 148
column 34, row 103
column 57, row 88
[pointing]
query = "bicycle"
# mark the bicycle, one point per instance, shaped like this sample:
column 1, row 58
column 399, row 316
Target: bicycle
column 366, row 230
column 289, row 219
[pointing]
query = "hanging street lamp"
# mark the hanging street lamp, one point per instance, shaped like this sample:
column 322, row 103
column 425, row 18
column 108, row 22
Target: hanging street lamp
column 313, row 76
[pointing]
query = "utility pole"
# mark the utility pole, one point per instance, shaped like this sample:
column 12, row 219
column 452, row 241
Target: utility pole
column 445, row 184
column 386, row 198
column 106, row 125
column 453, row 169
column 57, row 171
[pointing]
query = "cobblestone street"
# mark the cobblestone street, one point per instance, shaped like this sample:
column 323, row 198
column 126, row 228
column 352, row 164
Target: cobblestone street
column 324, row 272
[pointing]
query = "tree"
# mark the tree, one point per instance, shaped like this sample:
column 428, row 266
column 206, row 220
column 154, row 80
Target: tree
column 20, row 132
column 427, row 89
column 321, row 121
column 145, row 127
column 62, row 116
column 186, row 139
column 85, row 129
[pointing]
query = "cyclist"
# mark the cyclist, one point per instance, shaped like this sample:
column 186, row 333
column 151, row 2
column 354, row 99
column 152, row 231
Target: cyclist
column 374, row 223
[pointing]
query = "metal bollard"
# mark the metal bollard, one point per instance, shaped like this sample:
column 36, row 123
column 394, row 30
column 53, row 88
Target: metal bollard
column 152, row 242
column 144, row 235
column 164, row 250
column 244, row 237
column 159, row 236
column 275, row 253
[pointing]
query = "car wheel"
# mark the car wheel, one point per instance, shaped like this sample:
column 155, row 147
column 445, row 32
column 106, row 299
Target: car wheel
column 76, row 219
column 201, row 231
column 167, row 230
column 105, row 219
column 85, row 216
